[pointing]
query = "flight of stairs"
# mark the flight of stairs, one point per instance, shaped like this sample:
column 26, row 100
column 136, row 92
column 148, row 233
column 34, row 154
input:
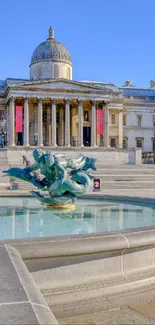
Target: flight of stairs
column 115, row 177
column 126, row 176
column 112, row 175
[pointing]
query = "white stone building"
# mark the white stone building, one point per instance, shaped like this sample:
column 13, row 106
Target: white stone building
column 50, row 109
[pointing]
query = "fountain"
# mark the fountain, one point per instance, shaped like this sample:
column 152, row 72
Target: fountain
column 63, row 178
column 87, row 260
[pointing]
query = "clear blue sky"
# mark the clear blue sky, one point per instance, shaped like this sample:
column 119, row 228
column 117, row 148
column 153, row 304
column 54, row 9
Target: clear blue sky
column 109, row 40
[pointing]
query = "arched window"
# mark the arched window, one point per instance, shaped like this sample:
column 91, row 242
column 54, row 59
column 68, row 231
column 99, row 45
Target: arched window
column 68, row 73
column 38, row 72
column 56, row 71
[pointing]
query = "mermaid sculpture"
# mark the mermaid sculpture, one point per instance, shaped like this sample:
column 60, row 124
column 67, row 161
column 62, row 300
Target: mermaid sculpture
column 63, row 178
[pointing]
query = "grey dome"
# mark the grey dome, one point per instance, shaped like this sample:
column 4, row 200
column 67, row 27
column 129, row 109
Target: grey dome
column 51, row 50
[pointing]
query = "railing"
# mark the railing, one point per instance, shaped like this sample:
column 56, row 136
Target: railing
column 148, row 158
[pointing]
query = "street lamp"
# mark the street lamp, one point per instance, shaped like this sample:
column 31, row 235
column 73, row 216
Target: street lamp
column 3, row 131
column 154, row 138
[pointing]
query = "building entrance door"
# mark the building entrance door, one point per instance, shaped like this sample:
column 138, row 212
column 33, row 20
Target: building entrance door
column 87, row 136
column 19, row 139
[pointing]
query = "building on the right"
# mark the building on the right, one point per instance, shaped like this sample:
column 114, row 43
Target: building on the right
column 139, row 116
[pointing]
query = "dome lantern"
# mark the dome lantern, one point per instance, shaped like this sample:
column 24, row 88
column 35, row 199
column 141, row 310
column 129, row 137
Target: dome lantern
column 51, row 33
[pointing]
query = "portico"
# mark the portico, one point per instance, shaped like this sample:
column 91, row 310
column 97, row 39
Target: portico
column 56, row 121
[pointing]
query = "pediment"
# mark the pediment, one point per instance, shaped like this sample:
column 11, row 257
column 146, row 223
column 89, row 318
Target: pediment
column 59, row 85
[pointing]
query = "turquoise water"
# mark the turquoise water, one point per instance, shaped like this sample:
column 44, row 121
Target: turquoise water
column 26, row 217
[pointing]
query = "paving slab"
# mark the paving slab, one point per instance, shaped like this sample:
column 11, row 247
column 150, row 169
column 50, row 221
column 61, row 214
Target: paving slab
column 150, row 193
column 147, row 309
column 111, row 317
column 17, row 314
column 11, row 290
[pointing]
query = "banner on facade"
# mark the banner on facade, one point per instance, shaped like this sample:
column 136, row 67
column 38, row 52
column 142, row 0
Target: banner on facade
column 100, row 121
column 19, row 118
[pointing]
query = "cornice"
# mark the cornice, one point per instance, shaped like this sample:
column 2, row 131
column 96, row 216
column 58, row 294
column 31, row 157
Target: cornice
column 136, row 128
column 55, row 95
column 131, row 104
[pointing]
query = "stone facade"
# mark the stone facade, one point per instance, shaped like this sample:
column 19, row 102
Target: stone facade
column 60, row 112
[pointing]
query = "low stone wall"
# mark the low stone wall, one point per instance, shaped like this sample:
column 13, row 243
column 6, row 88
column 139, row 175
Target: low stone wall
column 88, row 273
column 104, row 156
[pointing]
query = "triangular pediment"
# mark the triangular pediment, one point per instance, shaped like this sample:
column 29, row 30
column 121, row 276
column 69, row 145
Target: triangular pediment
column 58, row 85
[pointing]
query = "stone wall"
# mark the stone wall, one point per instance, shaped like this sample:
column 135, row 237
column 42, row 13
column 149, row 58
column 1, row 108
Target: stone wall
column 46, row 70
column 107, row 156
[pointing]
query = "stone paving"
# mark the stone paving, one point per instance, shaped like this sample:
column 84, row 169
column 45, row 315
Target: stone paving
column 111, row 317
column 148, row 193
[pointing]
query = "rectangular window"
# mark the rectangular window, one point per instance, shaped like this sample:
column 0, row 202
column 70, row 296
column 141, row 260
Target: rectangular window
column 139, row 143
column 125, row 143
column 113, row 119
column 153, row 120
column 139, row 120
column 124, row 119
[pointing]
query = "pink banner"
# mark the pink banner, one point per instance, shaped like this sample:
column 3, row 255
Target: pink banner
column 100, row 121
column 19, row 118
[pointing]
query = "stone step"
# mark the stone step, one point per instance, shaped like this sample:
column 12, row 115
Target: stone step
column 4, row 186
column 127, row 178
column 127, row 185
column 124, row 166
column 106, row 171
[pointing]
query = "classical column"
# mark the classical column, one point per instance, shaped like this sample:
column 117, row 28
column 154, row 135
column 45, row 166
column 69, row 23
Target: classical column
column 120, row 125
column 54, row 144
column 61, row 125
column 80, row 124
column 93, row 124
column 26, row 122
column 7, row 123
column 106, row 125
column 12, row 121
column 67, row 123
column 40, row 122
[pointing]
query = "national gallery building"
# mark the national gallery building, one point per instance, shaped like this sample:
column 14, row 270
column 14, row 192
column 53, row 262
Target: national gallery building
column 50, row 109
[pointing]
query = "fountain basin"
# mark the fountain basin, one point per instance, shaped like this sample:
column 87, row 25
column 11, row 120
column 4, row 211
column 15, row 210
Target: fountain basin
column 92, row 271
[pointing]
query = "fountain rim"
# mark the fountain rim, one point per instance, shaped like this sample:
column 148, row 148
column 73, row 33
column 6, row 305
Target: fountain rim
column 106, row 241
column 87, row 243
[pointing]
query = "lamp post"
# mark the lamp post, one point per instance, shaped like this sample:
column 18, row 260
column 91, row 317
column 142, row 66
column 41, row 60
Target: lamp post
column 154, row 138
column 3, row 131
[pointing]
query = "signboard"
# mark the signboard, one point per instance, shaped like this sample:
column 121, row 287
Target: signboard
column 100, row 121
column 96, row 185
column 19, row 118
